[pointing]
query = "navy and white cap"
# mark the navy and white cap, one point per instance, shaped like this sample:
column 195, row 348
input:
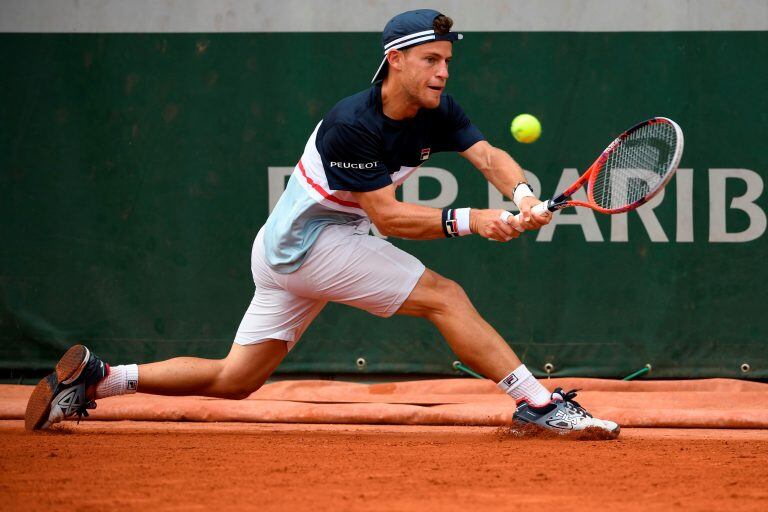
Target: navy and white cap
column 410, row 28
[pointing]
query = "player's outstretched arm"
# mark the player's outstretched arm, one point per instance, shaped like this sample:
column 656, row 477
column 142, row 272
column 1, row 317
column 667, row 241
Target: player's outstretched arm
column 406, row 220
column 505, row 174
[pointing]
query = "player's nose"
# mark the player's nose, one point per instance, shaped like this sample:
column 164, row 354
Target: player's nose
column 442, row 71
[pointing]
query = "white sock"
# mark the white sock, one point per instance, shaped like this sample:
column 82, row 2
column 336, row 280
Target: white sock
column 121, row 380
column 522, row 385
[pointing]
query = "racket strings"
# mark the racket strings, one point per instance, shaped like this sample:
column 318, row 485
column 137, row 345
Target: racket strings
column 636, row 167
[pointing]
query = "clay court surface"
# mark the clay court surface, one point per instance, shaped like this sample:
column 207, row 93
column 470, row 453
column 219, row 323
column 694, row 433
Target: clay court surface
column 208, row 466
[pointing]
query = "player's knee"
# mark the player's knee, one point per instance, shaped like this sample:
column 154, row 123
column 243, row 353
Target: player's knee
column 455, row 294
column 448, row 296
column 236, row 389
column 238, row 392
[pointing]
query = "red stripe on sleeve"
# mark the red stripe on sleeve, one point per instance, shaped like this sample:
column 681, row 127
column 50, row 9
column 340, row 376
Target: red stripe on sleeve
column 323, row 192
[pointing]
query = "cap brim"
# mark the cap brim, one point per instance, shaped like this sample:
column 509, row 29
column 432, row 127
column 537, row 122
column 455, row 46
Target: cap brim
column 450, row 36
column 381, row 72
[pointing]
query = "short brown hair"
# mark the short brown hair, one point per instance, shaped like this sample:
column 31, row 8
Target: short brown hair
column 442, row 24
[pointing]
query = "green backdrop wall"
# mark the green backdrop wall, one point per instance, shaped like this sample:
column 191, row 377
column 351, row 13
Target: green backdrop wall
column 134, row 176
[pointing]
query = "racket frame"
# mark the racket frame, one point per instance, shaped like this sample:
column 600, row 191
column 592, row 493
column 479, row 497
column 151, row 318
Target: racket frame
column 590, row 175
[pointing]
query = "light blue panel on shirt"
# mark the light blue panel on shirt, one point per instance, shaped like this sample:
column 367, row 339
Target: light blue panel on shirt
column 294, row 225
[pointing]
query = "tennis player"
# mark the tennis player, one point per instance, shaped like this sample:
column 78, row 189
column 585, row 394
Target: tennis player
column 316, row 246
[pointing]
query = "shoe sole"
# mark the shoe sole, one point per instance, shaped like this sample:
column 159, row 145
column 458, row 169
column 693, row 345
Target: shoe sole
column 68, row 369
column 523, row 428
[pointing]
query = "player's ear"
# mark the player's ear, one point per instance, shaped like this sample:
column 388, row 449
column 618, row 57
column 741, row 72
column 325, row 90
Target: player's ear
column 395, row 59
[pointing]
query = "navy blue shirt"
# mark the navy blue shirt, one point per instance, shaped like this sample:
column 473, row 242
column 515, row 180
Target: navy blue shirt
column 360, row 147
column 355, row 148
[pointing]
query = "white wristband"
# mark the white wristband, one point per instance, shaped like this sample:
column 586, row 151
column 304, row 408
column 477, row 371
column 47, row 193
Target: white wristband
column 522, row 190
column 462, row 221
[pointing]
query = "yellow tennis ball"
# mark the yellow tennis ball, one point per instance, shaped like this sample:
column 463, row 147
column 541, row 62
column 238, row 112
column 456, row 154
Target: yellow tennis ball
column 525, row 128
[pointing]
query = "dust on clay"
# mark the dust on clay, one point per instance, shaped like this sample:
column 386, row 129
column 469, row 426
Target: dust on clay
column 531, row 431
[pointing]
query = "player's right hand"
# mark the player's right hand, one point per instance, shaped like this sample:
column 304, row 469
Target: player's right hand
column 489, row 224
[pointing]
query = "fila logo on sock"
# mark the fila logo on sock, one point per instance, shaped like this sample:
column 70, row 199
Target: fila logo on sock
column 425, row 153
column 131, row 385
column 511, row 379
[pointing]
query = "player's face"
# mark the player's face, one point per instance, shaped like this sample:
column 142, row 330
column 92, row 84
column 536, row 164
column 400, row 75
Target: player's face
column 425, row 72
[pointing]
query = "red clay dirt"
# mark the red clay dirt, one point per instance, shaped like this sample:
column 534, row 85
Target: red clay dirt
column 269, row 467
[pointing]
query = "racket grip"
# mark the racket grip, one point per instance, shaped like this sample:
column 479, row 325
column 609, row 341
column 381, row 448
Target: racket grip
column 538, row 210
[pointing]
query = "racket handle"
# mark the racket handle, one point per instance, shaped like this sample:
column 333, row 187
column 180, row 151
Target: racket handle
column 538, row 210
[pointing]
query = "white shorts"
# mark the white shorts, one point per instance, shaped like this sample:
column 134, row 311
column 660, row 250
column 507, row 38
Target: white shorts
column 343, row 266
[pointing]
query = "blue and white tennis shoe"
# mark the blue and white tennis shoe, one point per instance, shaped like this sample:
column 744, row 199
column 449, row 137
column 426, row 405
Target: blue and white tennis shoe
column 563, row 415
column 68, row 391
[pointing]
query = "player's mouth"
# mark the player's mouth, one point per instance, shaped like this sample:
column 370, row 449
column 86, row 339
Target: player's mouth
column 437, row 88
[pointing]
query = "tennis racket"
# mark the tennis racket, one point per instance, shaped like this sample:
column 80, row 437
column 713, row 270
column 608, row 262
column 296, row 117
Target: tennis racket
column 631, row 170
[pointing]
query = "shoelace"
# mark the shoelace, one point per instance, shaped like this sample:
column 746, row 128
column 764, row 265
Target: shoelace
column 573, row 405
column 95, row 370
column 82, row 411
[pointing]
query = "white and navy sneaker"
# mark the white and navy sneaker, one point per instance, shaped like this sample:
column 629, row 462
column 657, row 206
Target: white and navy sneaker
column 563, row 415
column 68, row 391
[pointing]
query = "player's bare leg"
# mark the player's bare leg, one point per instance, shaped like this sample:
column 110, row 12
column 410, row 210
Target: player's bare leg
column 81, row 377
column 444, row 303
column 242, row 372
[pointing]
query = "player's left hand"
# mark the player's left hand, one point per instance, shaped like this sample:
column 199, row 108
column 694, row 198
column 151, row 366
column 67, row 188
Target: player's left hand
column 530, row 220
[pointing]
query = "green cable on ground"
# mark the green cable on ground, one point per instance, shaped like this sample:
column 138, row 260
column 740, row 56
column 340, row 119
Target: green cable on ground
column 458, row 365
column 642, row 371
